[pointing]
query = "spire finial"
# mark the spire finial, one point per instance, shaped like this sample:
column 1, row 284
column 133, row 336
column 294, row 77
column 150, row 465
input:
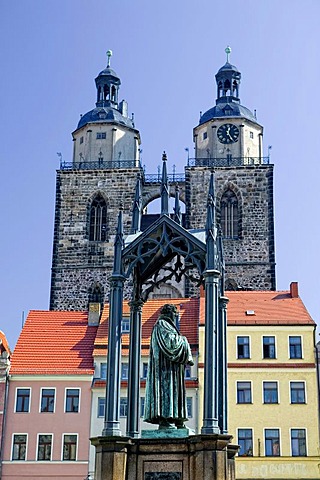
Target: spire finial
column 228, row 51
column 109, row 55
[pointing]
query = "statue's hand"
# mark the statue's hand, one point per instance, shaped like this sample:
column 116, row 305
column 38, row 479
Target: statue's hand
column 190, row 362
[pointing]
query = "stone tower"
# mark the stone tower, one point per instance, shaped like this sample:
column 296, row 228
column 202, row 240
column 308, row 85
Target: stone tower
column 89, row 191
column 228, row 140
column 106, row 172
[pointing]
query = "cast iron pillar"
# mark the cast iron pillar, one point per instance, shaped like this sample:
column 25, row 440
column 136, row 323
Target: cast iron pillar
column 222, row 356
column 133, row 418
column 212, row 275
column 112, row 423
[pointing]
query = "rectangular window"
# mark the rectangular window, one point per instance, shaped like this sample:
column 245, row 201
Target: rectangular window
column 44, row 447
column 72, row 400
column 189, row 407
column 47, row 400
column 101, row 135
column 270, row 392
column 19, row 447
column 23, row 400
column 123, row 407
column 187, row 371
column 124, row 371
column 297, row 392
column 269, row 347
column 125, row 325
column 101, row 406
column 205, row 135
column 272, row 442
column 81, row 140
column 142, row 406
column 103, row 371
column 295, row 348
column 251, row 134
column 69, row 447
column 298, row 442
column 244, row 392
column 245, row 442
column 144, row 370
column 243, row 348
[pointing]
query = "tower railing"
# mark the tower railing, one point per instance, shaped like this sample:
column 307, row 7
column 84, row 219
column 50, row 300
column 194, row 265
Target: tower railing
column 228, row 161
column 100, row 164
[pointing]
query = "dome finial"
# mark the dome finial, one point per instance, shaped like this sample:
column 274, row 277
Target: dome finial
column 228, row 51
column 109, row 55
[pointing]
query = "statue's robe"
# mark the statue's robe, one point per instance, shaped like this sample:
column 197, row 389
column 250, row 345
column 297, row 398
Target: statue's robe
column 165, row 389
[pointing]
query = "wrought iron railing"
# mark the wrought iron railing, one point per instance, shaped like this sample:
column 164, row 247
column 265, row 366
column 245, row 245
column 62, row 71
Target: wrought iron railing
column 227, row 161
column 156, row 177
column 99, row 165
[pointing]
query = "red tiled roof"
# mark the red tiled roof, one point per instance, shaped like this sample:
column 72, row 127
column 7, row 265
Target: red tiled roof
column 270, row 308
column 189, row 317
column 4, row 342
column 54, row 343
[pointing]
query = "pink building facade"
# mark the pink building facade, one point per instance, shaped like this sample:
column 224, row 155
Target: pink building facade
column 49, row 399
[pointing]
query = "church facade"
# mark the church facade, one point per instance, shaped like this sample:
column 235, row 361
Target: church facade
column 103, row 175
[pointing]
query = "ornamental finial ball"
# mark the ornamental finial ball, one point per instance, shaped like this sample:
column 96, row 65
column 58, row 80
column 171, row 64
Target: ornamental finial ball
column 228, row 50
column 109, row 55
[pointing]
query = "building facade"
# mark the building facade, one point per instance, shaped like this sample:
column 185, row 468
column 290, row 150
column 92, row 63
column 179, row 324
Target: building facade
column 5, row 354
column 49, row 398
column 104, row 173
column 57, row 390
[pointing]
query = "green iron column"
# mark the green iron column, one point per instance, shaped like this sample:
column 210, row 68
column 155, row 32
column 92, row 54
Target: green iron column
column 133, row 418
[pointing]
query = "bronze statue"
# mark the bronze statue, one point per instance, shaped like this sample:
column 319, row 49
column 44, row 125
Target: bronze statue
column 165, row 401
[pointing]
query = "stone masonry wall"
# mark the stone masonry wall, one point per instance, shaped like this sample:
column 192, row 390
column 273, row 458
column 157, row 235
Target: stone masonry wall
column 250, row 258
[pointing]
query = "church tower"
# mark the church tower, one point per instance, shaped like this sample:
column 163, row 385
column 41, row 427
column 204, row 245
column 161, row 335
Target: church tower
column 228, row 140
column 89, row 191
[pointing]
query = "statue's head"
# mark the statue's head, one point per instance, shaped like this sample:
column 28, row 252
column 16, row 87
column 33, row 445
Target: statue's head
column 169, row 310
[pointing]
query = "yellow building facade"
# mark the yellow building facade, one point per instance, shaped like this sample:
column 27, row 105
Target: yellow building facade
column 273, row 391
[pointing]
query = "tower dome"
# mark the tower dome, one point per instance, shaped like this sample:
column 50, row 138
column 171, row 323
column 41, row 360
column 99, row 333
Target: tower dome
column 228, row 104
column 107, row 107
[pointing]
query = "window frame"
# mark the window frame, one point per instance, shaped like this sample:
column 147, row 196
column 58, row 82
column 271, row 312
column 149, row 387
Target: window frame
column 54, row 399
column 188, row 372
column 51, row 446
column 16, row 399
column 103, row 366
column 249, row 347
column 123, row 402
column 144, row 373
column 125, row 321
column 237, row 392
column 305, row 439
column 238, row 439
column 263, row 392
column 142, row 405
column 289, row 347
column 101, row 135
column 97, row 226
column 304, row 392
column 62, row 447
column 65, row 399
column 13, row 444
column 124, row 370
column 274, row 346
column 265, row 443
column 190, row 408
column 101, row 400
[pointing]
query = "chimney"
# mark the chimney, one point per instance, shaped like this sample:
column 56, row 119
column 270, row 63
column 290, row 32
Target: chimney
column 94, row 314
column 294, row 291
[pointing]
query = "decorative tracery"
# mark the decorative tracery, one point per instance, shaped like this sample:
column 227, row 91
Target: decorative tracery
column 229, row 215
column 98, row 219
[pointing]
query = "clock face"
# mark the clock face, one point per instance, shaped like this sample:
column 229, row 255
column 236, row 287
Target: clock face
column 228, row 133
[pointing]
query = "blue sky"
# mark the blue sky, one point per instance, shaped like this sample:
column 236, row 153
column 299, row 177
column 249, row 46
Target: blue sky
column 166, row 54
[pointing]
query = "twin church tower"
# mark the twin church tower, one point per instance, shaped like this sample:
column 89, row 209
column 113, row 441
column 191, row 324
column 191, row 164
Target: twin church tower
column 106, row 174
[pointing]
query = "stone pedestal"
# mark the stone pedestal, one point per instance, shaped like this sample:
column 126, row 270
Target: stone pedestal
column 198, row 457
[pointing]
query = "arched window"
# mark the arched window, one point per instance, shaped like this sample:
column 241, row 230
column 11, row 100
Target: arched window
column 229, row 212
column 96, row 294
column 98, row 219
